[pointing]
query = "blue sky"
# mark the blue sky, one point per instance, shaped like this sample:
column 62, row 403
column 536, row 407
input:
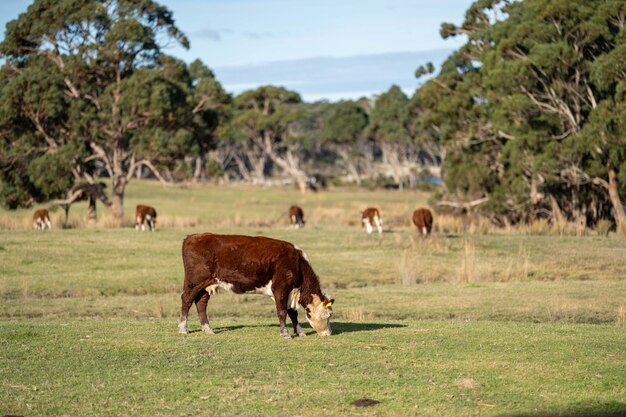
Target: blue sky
column 327, row 49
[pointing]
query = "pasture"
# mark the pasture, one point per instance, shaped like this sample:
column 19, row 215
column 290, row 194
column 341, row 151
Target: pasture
column 470, row 321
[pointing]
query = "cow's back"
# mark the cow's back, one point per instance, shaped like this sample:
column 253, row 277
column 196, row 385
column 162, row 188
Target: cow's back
column 247, row 262
column 41, row 214
column 370, row 213
column 423, row 218
column 141, row 211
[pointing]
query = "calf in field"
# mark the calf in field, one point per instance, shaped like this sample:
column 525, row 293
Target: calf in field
column 145, row 214
column 296, row 217
column 370, row 218
column 253, row 265
column 41, row 220
column 423, row 220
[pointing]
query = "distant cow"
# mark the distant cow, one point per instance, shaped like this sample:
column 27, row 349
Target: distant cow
column 296, row 217
column 423, row 220
column 145, row 214
column 370, row 218
column 257, row 265
column 41, row 220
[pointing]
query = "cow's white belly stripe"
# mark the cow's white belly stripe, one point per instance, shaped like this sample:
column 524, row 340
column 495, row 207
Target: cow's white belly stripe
column 265, row 290
column 212, row 289
column 293, row 301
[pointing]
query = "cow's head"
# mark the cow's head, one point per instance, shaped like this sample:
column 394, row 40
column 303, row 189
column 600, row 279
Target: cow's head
column 318, row 314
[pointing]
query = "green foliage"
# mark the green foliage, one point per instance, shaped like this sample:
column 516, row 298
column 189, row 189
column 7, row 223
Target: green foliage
column 345, row 123
column 90, row 76
column 533, row 97
column 266, row 112
column 390, row 118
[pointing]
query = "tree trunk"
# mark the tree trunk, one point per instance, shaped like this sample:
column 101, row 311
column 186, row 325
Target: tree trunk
column 66, row 208
column 350, row 166
column 616, row 201
column 391, row 160
column 243, row 169
column 257, row 162
column 117, row 206
column 290, row 164
column 91, row 211
column 197, row 174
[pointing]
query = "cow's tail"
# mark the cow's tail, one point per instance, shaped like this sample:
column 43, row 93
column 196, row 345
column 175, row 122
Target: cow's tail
column 186, row 282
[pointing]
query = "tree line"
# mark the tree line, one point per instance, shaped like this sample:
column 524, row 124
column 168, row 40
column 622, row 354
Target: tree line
column 527, row 120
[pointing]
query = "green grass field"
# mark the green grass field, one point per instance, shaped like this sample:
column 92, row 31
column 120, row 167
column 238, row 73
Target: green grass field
column 506, row 324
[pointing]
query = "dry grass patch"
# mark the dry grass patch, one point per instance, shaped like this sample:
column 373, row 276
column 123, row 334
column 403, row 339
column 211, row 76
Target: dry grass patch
column 466, row 383
column 357, row 314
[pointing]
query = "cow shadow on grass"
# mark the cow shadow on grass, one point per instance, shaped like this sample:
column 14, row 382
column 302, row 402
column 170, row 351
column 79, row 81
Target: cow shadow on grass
column 350, row 327
column 338, row 327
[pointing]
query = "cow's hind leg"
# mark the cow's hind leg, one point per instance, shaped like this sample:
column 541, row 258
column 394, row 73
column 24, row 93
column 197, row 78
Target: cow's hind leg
column 201, row 302
column 293, row 315
column 187, row 298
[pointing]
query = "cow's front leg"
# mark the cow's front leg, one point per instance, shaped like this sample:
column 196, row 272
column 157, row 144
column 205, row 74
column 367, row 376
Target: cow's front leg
column 293, row 315
column 201, row 302
column 281, row 311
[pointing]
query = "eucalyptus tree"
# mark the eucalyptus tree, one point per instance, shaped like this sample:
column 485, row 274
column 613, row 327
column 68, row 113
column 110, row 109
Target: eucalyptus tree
column 546, row 79
column 38, row 159
column 122, row 110
column 264, row 118
column 343, row 133
column 389, row 128
column 212, row 111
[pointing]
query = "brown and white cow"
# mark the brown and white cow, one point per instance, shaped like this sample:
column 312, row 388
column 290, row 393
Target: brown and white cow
column 370, row 218
column 41, row 220
column 423, row 220
column 145, row 214
column 253, row 265
column 296, row 217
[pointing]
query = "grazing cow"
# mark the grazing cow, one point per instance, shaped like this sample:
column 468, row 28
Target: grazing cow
column 423, row 220
column 145, row 214
column 296, row 217
column 41, row 220
column 370, row 218
column 257, row 265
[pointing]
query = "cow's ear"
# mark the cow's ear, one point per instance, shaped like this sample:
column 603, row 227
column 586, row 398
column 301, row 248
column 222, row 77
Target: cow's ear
column 330, row 302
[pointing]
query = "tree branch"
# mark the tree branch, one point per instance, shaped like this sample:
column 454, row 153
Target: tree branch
column 155, row 171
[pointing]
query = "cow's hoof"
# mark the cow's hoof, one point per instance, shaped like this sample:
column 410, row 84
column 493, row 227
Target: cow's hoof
column 301, row 334
column 286, row 335
column 183, row 330
column 206, row 329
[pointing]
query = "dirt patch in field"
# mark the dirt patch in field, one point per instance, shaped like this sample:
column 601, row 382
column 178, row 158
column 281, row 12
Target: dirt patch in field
column 365, row 402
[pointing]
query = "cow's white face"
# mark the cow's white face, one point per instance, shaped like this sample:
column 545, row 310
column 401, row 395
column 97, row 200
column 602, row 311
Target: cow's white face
column 318, row 314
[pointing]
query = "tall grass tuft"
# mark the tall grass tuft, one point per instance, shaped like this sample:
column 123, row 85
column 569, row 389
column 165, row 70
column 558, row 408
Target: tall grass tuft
column 603, row 227
column 408, row 269
column 25, row 292
column 357, row 314
column 620, row 319
column 468, row 271
column 158, row 309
